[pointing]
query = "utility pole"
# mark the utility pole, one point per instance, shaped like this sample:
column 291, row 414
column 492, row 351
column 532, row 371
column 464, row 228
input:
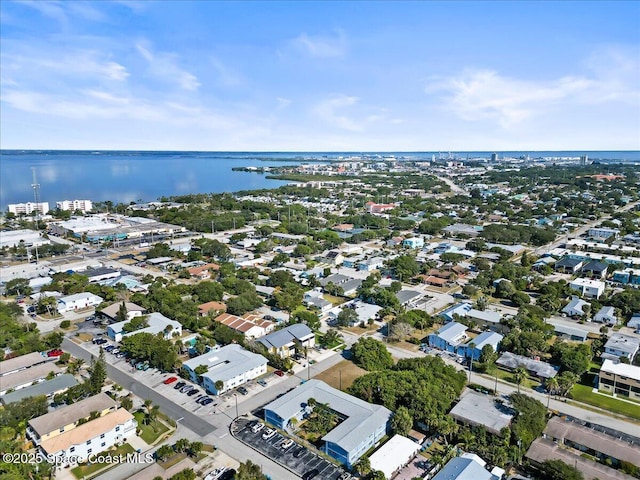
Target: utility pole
column 36, row 194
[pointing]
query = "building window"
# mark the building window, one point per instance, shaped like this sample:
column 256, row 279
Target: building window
column 103, row 444
column 117, row 428
column 102, row 435
column 89, row 451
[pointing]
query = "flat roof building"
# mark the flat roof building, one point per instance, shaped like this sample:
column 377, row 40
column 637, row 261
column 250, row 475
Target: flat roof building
column 363, row 424
column 232, row 365
column 620, row 345
column 479, row 409
column 620, row 379
column 391, row 457
column 157, row 323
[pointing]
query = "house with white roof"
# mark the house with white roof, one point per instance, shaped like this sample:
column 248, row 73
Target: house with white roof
column 156, row 323
column 606, row 315
column 620, row 345
column 232, row 365
column 575, row 307
column 78, row 301
column 394, row 455
column 363, row 424
column 449, row 337
column 587, row 287
column 620, row 379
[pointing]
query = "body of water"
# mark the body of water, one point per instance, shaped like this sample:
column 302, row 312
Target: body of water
column 146, row 176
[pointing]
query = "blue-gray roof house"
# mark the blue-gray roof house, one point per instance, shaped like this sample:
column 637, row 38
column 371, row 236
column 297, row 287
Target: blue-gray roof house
column 461, row 468
column 473, row 348
column 284, row 342
column 362, row 424
column 460, row 309
column 448, row 337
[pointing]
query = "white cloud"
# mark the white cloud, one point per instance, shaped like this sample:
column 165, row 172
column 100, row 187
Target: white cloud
column 283, row 103
column 322, row 46
column 225, row 75
column 488, row 95
column 165, row 66
column 331, row 111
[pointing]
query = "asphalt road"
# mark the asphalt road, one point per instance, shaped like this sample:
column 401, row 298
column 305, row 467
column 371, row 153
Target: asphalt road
column 185, row 417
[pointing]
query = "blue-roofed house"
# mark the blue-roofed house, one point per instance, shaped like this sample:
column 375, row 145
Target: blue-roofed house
column 473, row 348
column 461, row 468
column 448, row 337
column 363, row 424
column 460, row 309
column 285, row 342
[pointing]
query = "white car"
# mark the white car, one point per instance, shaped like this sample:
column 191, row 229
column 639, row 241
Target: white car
column 287, row 444
column 257, row 427
column 269, row 433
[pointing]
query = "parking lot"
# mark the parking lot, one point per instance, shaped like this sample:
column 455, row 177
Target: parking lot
column 296, row 458
column 153, row 378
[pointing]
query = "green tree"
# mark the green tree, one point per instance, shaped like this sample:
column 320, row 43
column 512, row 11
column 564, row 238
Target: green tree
column 558, row 470
column 346, row 317
column 164, row 452
column 121, row 314
column 371, row 354
column 520, row 374
column 249, row 471
column 402, row 421
column 97, row 373
column 363, row 466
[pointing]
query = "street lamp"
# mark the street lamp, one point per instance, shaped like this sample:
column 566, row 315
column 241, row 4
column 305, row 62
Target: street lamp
column 235, row 395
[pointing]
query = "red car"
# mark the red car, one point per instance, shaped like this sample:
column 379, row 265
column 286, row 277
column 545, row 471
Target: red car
column 280, row 373
column 54, row 353
column 170, row 380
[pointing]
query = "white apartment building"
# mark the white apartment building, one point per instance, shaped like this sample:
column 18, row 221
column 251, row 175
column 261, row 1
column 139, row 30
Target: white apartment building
column 82, row 205
column 28, row 208
column 588, row 288
column 78, row 301
column 603, row 233
column 232, row 365
column 92, row 437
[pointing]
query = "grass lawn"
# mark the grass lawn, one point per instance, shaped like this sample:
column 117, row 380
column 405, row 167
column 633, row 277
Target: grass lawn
column 83, row 471
column 173, row 460
column 510, row 377
column 348, row 370
column 584, row 393
column 334, row 300
column 149, row 433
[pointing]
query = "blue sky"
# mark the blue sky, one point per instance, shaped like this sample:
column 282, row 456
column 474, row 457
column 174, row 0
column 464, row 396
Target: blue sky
column 296, row 76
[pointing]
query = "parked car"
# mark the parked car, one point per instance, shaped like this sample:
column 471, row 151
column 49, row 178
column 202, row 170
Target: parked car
column 300, row 452
column 170, row 380
column 186, row 388
column 279, row 373
column 262, row 382
column 257, row 427
column 191, row 393
column 99, row 341
column 56, row 352
column 311, row 474
column 145, row 367
column 109, row 348
column 207, row 401
column 269, row 433
column 287, row 444
column 179, row 385
column 243, row 390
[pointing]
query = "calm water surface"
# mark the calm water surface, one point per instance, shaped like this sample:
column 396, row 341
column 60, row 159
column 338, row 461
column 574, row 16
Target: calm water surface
column 146, row 176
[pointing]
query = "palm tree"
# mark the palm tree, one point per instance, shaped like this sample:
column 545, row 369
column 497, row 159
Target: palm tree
column 363, row 467
column 147, row 406
column 75, row 366
column 153, row 414
column 551, row 385
column 520, row 374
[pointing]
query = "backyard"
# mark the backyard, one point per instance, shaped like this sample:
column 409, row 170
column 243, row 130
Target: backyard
column 341, row 375
column 149, row 433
